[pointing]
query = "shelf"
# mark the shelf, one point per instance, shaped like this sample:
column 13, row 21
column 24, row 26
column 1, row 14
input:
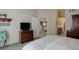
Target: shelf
column 5, row 20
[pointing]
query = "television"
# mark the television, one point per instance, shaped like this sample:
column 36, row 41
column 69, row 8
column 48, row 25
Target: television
column 24, row 26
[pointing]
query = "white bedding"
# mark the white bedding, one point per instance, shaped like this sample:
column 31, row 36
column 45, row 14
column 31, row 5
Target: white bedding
column 53, row 43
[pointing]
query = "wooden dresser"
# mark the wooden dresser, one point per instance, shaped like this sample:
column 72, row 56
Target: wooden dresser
column 73, row 34
column 26, row 36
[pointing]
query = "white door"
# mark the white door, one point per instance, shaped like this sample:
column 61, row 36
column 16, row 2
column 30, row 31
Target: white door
column 36, row 26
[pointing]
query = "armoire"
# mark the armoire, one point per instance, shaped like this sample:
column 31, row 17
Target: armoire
column 74, row 32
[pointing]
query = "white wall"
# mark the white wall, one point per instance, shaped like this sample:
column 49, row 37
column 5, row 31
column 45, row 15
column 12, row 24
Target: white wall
column 17, row 16
column 51, row 14
column 68, row 18
column 22, row 15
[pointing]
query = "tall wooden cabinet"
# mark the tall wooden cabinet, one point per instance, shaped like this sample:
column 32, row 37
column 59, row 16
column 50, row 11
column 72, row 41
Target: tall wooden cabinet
column 26, row 36
column 74, row 32
column 75, row 19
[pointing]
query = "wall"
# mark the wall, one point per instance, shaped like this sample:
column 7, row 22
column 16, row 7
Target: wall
column 22, row 15
column 68, row 18
column 17, row 16
column 51, row 14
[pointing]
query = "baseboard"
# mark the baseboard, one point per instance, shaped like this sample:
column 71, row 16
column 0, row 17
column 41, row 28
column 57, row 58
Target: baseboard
column 8, row 44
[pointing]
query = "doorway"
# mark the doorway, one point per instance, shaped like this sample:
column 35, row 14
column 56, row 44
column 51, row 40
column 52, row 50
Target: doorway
column 39, row 26
column 61, row 22
column 43, row 26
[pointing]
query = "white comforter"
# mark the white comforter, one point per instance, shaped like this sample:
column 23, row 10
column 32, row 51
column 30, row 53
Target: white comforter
column 53, row 43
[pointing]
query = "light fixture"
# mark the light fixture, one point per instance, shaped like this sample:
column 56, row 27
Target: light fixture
column 44, row 24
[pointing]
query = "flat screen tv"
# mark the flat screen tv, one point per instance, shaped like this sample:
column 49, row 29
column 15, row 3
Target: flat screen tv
column 24, row 26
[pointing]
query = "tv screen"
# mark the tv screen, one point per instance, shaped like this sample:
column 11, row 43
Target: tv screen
column 24, row 26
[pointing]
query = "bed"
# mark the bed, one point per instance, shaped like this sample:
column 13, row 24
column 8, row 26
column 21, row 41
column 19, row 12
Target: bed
column 53, row 42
